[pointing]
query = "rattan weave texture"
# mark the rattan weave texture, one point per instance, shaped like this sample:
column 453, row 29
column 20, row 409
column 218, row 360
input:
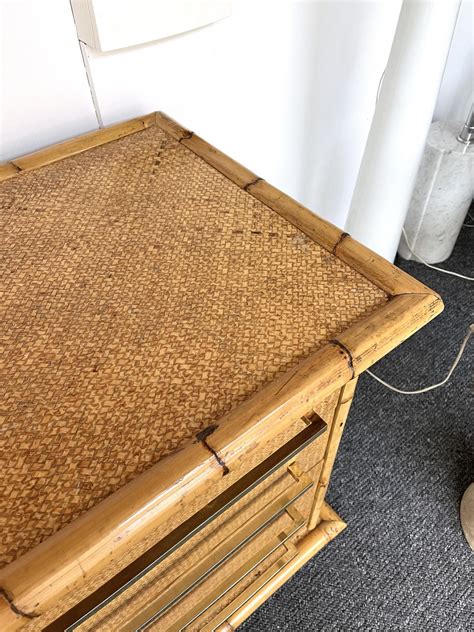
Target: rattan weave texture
column 144, row 296
column 325, row 409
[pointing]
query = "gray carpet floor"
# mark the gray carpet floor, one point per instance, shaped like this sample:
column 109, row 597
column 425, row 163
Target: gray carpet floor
column 403, row 465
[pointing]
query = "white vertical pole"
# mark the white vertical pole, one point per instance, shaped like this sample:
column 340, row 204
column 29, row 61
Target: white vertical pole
column 401, row 122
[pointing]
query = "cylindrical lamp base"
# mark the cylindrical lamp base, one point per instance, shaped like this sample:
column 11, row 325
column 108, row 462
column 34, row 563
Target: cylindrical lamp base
column 442, row 195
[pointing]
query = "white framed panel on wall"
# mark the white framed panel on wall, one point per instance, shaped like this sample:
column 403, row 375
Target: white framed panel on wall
column 112, row 24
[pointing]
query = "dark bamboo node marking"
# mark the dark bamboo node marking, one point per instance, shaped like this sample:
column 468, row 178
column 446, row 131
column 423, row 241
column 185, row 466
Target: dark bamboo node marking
column 202, row 438
column 187, row 136
column 341, row 238
column 347, row 353
column 249, row 184
column 21, row 613
column 203, row 434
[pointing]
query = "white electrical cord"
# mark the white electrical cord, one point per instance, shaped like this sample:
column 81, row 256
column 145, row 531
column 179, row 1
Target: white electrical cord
column 470, row 331
column 456, row 274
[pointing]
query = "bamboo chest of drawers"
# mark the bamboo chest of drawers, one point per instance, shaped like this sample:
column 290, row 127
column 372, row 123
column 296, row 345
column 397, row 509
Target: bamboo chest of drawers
column 181, row 343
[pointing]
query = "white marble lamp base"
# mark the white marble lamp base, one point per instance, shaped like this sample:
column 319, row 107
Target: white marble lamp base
column 442, row 195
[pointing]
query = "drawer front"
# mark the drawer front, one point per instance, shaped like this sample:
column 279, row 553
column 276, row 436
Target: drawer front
column 270, row 549
column 99, row 587
column 211, row 604
column 263, row 540
column 207, row 527
column 281, row 484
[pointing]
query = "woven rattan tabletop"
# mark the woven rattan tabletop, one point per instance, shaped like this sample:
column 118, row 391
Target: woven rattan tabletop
column 145, row 295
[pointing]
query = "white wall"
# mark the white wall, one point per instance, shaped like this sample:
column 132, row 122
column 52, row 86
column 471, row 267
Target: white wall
column 457, row 90
column 287, row 88
column 44, row 96
column 339, row 53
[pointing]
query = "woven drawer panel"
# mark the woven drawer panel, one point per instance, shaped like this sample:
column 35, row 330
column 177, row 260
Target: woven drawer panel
column 325, row 410
column 145, row 295
column 193, row 551
column 153, row 586
column 303, row 505
column 219, row 578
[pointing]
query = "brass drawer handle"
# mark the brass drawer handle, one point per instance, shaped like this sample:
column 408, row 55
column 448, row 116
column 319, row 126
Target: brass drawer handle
column 281, row 540
column 248, row 593
column 224, row 551
column 114, row 587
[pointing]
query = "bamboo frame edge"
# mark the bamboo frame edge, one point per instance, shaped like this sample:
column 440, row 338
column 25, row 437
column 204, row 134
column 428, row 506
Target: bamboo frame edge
column 370, row 339
column 338, row 247
column 369, row 264
column 51, row 550
column 417, row 309
column 377, row 270
column 73, row 146
column 341, row 412
column 329, row 528
column 8, row 170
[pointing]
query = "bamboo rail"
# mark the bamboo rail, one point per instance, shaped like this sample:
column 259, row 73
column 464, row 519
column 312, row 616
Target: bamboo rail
column 40, row 579
column 329, row 527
